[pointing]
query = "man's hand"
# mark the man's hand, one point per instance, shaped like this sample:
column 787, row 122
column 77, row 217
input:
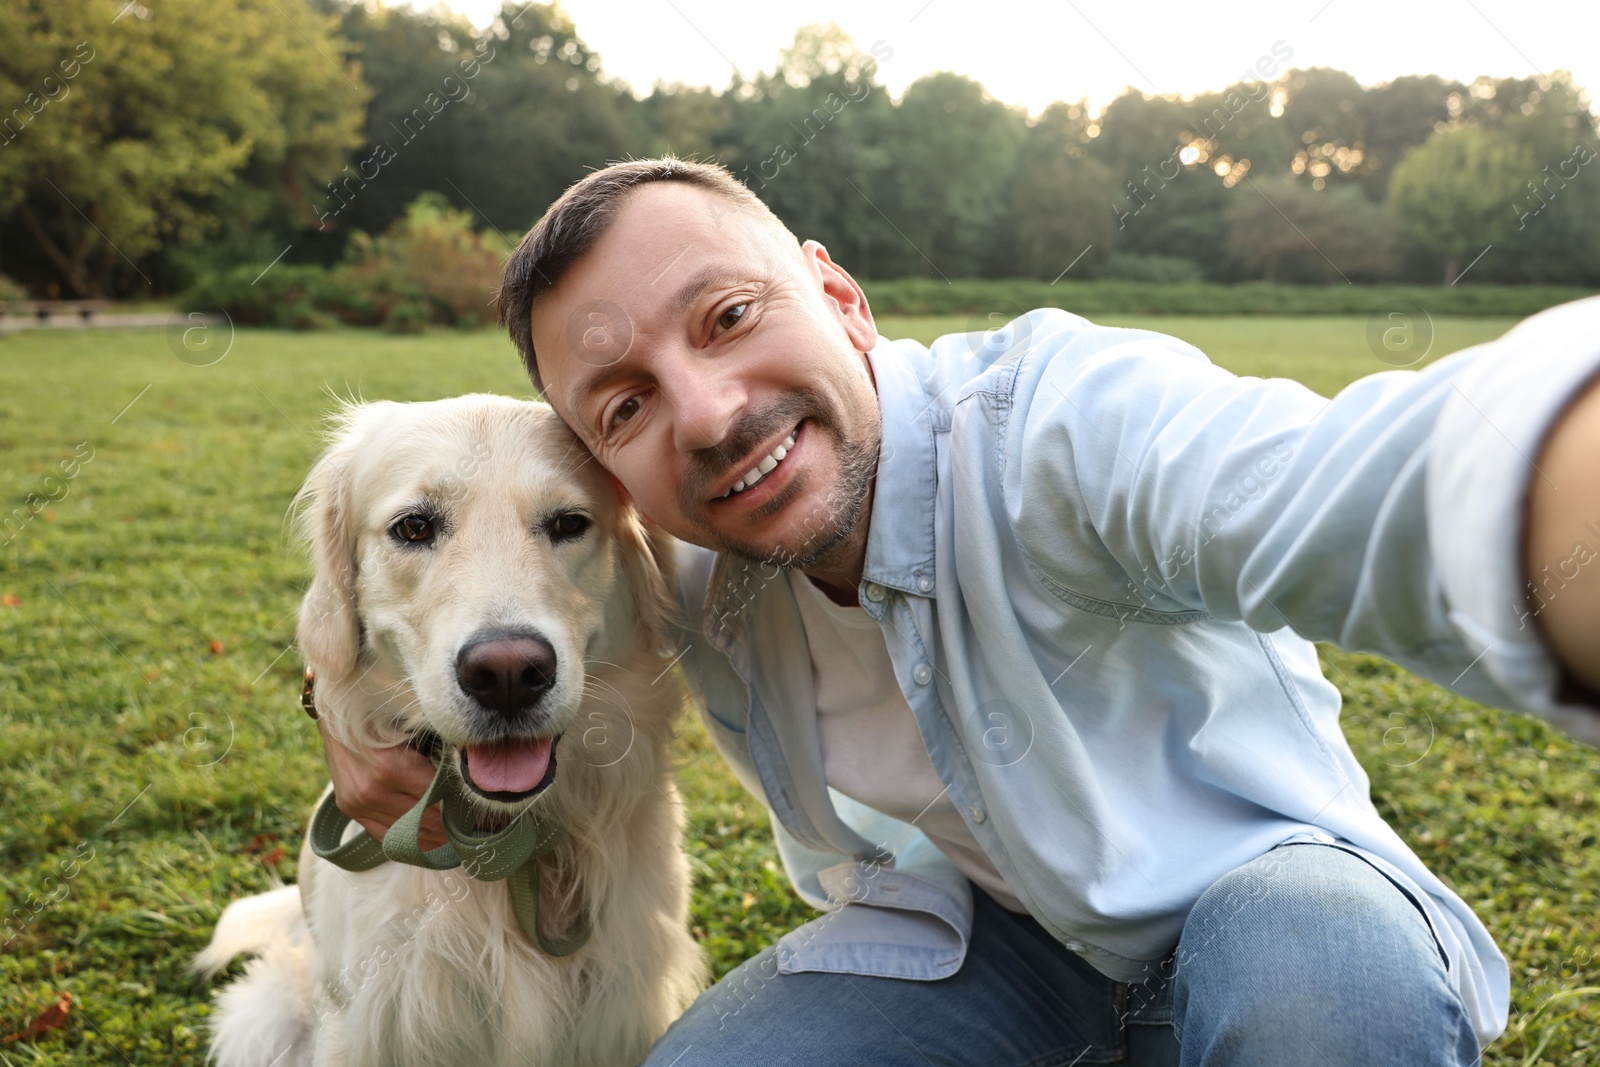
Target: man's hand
column 375, row 786
column 1560, row 561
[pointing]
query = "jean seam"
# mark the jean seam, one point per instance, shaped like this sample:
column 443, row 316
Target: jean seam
column 1422, row 912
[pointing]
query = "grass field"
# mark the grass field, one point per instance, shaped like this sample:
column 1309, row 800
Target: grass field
column 154, row 763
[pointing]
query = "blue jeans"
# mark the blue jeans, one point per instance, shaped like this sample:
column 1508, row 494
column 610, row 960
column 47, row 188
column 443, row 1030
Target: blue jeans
column 1307, row 955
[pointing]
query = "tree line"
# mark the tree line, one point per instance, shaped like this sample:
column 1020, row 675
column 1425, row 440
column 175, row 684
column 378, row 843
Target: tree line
column 143, row 148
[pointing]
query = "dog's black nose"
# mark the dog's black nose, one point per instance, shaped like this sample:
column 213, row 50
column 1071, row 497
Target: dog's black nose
column 506, row 673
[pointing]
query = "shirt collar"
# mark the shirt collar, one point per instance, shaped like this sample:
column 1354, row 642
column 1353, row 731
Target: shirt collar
column 900, row 539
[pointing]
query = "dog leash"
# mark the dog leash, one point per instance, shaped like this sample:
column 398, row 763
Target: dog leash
column 511, row 853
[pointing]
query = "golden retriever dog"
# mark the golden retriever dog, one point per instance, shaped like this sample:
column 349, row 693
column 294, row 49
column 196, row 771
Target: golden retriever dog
column 479, row 581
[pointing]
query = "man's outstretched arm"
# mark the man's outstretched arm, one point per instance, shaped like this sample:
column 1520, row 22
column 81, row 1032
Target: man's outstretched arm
column 1563, row 511
column 1392, row 518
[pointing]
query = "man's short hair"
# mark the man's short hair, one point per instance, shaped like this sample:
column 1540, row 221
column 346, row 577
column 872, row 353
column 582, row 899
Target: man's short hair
column 577, row 220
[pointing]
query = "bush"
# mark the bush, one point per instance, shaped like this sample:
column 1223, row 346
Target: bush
column 1334, row 236
column 10, row 290
column 981, row 297
column 432, row 258
column 1130, row 267
column 410, row 316
column 287, row 296
column 431, row 267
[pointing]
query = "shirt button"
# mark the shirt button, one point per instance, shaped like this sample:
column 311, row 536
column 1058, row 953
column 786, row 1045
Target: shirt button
column 925, row 584
column 977, row 813
column 923, row 674
column 875, row 592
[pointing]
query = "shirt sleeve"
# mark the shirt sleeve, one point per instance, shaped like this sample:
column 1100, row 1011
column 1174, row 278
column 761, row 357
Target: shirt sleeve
column 1388, row 519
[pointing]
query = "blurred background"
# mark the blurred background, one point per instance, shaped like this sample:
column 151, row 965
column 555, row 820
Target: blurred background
column 386, row 155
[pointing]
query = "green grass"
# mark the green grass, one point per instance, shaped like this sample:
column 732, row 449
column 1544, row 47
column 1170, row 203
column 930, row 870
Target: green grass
column 148, row 776
column 1108, row 296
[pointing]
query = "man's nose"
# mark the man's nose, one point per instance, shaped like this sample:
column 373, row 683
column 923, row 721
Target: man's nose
column 709, row 401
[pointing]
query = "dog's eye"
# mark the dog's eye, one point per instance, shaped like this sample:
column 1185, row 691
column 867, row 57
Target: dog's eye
column 568, row 526
column 416, row 529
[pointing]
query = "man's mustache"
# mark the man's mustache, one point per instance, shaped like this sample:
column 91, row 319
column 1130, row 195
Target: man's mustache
column 708, row 466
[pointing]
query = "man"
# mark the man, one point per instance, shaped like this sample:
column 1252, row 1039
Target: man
column 1013, row 638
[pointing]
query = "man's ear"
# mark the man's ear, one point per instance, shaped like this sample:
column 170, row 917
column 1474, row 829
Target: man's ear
column 329, row 630
column 842, row 291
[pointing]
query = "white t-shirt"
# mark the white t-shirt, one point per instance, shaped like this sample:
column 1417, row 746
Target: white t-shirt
column 872, row 750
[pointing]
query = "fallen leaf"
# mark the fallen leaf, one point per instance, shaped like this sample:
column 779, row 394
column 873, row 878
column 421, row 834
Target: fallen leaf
column 11, row 600
column 216, row 648
column 152, row 674
column 260, row 841
column 49, row 1019
column 275, row 857
column 49, row 514
column 749, row 901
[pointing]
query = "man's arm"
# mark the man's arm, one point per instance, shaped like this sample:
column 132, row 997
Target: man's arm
column 1389, row 519
column 1563, row 508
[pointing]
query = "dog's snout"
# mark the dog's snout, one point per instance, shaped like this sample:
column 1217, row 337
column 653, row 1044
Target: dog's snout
column 506, row 673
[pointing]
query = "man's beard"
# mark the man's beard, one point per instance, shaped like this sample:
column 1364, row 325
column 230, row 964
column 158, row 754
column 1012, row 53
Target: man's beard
column 831, row 523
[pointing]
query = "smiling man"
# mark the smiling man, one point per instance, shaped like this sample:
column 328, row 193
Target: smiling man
column 1012, row 636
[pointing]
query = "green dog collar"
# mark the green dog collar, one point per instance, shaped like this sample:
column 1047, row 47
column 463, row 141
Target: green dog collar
column 511, row 853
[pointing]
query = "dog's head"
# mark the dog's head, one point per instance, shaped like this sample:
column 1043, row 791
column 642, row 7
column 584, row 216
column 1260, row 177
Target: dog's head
column 473, row 565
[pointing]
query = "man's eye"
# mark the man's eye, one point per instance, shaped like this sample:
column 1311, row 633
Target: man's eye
column 730, row 318
column 625, row 411
column 414, row 529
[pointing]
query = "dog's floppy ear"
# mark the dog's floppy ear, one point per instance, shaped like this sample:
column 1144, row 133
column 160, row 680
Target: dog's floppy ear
column 649, row 564
column 329, row 631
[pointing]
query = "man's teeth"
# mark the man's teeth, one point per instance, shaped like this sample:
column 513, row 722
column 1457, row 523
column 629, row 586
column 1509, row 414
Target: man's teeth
column 762, row 469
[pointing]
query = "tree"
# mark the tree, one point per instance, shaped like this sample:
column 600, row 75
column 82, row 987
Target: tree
column 541, row 113
column 1556, row 236
column 1456, row 192
column 1322, row 115
column 1284, row 231
column 1165, row 202
column 951, row 148
column 808, row 141
column 686, row 121
column 1056, row 201
column 138, row 129
column 499, row 122
column 1399, row 116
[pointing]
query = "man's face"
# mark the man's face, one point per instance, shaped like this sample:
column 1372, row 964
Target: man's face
column 692, row 346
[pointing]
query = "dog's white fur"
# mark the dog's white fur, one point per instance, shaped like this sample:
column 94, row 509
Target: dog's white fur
column 401, row 965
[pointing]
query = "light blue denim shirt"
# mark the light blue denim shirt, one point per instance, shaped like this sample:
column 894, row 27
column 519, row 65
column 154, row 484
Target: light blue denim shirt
column 1099, row 562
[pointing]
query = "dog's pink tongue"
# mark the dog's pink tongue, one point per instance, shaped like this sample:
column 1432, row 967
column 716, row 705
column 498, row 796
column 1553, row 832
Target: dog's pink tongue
column 508, row 767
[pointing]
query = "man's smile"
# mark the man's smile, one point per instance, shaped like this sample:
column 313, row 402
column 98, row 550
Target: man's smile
column 761, row 470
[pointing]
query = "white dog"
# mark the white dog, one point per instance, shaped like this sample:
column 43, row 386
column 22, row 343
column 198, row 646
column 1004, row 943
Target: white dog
column 479, row 581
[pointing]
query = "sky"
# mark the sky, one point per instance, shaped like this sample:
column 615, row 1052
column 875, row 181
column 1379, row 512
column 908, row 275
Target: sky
column 1035, row 52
